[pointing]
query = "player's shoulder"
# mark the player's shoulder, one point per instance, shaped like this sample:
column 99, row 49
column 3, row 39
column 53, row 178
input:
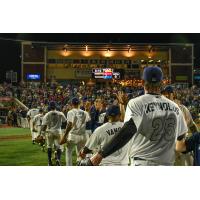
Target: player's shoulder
column 137, row 100
column 71, row 111
column 101, row 128
column 170, row 101
column 183, row 107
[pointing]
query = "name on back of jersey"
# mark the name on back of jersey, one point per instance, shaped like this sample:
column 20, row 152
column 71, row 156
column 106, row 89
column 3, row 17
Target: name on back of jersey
column 162, row 106
column 113, row 131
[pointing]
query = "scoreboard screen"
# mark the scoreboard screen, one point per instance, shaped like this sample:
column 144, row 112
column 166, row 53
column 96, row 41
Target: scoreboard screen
column 102, row 73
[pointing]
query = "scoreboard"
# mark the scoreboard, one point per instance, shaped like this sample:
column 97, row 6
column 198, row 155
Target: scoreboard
column 102, row 73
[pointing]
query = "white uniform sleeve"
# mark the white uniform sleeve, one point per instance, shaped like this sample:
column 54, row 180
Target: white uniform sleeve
column 133, row 111
column 64, row 119
column 181, row 124
column 188, row 117
column 45, row 120
column 70, row 117
column 93, row 142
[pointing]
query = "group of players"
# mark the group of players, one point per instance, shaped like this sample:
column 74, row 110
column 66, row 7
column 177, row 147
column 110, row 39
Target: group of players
column 151, row 129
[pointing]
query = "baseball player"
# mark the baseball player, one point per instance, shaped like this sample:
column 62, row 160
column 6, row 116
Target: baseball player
column 51, row 123
column 103, row 134
column 153, row 125
column 182, row 159
column 37, row 122
column 75, row 131
column 30, row 115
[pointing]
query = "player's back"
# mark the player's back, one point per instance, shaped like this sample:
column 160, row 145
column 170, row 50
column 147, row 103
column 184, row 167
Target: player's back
column 53, row 120
column 33, row 112
column 157, row 120
column 102, row 136
column 78, row 118
column 38, row 119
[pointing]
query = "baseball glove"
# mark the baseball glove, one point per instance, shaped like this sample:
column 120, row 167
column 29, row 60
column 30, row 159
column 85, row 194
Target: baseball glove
column 40, row 140
column 85, row 162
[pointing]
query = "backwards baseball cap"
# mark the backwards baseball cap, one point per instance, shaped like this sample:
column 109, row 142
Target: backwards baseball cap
column 168, row 89
column 152, row 74
column 75, row 101
column 52, row 105
column 113, row 110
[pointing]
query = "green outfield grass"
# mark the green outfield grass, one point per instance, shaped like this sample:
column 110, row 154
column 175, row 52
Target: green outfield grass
column 13, row 131
column 21, row 151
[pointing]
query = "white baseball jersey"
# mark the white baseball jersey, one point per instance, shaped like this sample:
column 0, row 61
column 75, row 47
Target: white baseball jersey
column 54, row 120
column 78, row 118
column 38, row 119
column 32, row 112
column 102, row 136
column 187, row 116
column 159, row 122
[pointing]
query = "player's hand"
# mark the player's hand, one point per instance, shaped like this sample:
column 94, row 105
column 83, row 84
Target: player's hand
column 121, row 97
column 82, row 155
column 63, row 140
column 96, row 159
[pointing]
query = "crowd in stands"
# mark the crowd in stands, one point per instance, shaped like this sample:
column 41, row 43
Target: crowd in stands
column 39, row 95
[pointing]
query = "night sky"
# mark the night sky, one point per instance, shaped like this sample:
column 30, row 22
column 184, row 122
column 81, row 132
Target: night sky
column 10, row 50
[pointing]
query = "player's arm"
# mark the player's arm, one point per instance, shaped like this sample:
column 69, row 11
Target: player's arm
column 92, row 143
column 189, row 143
column 191, row 124
column 34, row 122
column 45, row 122
column 182, row 130
column 120, row 140
column 67, row 130
column 180, row 144
column 122, row 102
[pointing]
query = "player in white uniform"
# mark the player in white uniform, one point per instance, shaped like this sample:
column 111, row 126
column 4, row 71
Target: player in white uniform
column 154, row 125
column 75, row 131
column 51, row 123
column 37, row 122
column 182, row 159
column 103, row 135
column 30, row 115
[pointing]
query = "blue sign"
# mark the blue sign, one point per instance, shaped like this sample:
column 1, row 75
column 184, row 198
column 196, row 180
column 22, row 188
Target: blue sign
column 33, row 76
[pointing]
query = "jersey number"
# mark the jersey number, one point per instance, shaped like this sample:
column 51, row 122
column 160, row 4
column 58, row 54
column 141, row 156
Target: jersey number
column 163, row 128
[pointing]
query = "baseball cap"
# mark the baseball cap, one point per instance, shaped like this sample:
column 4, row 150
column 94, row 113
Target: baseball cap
column 52, row 105
column 113, row 110
column 152, row 74
column 168, row 89
column 75, row 101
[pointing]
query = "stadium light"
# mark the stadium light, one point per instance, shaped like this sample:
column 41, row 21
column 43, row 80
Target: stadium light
column 108, row 53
